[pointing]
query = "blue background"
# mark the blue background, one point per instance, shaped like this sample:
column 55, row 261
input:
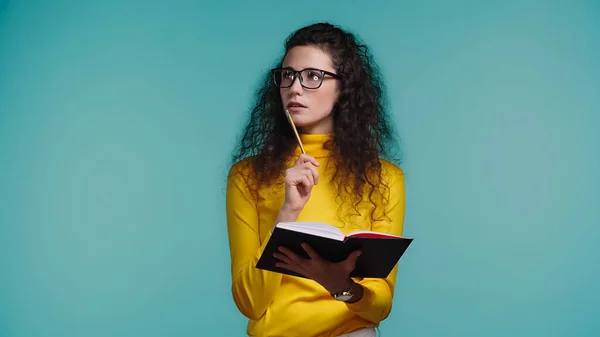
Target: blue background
column 117, row 119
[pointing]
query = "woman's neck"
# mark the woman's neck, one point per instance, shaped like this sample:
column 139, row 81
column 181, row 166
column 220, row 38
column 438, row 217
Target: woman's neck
column 315, row 144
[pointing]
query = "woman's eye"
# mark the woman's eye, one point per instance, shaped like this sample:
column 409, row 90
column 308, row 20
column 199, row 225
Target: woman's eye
column 314, row 76
column 287, row 73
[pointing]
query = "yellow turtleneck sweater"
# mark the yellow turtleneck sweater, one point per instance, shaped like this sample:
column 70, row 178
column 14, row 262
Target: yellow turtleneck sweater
column 281, row 305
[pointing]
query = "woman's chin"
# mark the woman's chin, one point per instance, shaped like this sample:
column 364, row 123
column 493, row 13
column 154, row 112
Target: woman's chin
column 302, row 123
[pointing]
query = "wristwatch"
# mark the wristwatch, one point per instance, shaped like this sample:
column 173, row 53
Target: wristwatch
column 344, row 295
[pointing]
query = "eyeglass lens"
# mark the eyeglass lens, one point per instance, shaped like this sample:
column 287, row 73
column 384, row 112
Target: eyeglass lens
column 310, row 78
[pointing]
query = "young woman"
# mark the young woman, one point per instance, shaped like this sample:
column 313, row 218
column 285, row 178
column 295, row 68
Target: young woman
column 329, row 84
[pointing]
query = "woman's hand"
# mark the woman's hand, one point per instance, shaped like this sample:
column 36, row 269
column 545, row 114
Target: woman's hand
column 299, row 182
column 334, row 277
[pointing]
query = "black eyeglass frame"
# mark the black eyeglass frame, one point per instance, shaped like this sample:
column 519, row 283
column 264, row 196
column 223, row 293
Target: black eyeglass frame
column 298, row 74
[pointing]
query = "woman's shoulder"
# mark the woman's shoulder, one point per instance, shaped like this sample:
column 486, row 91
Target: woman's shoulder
column 239, row 172
column 243, row 166
column 242, row 172
column 390, row 169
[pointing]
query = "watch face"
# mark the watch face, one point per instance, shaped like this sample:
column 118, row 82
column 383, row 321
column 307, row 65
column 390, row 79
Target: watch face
column 343, row 297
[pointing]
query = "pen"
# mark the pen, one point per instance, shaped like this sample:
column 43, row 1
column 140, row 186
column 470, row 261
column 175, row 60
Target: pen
column 289, row 118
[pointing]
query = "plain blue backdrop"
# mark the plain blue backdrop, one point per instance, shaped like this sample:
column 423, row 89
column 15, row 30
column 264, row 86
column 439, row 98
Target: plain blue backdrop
column 117, row 119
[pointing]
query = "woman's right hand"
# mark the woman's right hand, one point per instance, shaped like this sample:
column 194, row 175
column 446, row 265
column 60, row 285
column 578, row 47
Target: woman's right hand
column 299, row 182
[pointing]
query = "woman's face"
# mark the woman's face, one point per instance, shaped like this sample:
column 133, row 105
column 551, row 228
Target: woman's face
column 310, row 108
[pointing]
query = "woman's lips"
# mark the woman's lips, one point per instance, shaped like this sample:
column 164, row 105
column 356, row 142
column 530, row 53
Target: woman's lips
column 295, row 106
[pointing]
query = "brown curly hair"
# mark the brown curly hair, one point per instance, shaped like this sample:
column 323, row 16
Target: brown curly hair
column 362, row 132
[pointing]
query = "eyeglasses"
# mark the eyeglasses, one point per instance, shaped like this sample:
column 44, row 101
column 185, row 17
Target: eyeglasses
column 310, row 78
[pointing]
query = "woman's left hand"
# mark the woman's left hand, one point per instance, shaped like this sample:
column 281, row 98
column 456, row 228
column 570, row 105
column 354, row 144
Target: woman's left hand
column 334, row 277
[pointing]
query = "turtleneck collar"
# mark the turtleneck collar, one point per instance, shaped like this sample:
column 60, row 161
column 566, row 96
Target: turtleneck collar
column 314, row 145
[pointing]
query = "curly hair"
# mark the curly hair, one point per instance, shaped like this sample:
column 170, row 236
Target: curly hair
column 362, row 132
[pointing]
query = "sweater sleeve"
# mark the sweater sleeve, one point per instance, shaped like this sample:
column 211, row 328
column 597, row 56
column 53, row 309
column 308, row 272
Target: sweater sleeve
column 253, row 289
column 376, row 303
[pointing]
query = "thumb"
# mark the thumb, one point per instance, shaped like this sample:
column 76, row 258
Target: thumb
column 351, row 260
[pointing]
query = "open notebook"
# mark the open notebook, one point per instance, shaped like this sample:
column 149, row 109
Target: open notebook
column 380, row 252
